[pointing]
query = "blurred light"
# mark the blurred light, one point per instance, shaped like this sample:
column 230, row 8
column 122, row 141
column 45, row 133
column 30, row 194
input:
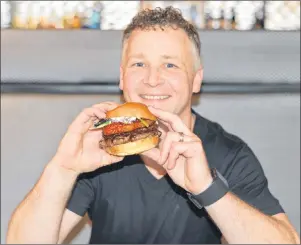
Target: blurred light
column 116, row 15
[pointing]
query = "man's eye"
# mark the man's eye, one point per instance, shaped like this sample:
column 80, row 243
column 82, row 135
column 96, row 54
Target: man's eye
column 169, row 65
column 139, row 64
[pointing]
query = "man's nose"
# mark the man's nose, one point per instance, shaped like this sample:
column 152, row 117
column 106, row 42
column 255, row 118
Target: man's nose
column 153, row 78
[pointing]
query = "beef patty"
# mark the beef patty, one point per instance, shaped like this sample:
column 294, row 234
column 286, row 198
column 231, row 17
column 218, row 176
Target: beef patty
column 137, row 134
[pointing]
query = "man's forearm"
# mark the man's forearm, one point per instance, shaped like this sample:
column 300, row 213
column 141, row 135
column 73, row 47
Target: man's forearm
column 241, row 223
column 38, row 217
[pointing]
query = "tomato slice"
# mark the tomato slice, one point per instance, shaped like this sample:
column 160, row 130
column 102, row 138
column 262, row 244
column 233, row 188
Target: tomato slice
column 118, row 127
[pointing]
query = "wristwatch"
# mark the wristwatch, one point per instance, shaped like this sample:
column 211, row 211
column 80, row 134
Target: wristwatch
column 218, row 188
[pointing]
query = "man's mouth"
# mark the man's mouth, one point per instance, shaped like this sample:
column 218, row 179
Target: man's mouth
column 154, row 97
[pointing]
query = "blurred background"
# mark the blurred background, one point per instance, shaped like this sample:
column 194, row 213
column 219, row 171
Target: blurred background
column 58, row 57
column 115, row 15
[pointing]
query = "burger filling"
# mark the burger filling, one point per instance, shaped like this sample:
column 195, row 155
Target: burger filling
column 117, row 131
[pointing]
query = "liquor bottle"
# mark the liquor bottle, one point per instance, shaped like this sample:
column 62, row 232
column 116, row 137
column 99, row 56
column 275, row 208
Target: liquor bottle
column 228, row 15
column 158, row 4
column 200, row 19
column 213, row 12
column 20, row 15
column 195, row 15
column 216, row 16
column 259, row 15
column 5, row 14
column 146, row 4
column 96, row 16
column 245, row 15
column 208, row 20
column 184, row 7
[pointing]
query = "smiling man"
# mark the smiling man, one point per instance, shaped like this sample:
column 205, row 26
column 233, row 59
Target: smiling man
column 201, row 185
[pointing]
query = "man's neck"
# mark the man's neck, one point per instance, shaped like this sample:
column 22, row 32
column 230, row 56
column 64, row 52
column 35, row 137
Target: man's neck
column 189, row 119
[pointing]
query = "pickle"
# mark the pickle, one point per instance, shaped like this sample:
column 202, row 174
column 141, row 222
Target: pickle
column 144, row 122
column 102, row 123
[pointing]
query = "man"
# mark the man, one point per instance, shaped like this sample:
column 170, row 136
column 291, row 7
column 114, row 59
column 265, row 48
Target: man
column 201, row 185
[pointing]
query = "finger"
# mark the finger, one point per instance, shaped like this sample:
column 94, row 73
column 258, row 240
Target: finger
column 85, row 119
column 187, row 149
column 173, row 120
column 106, row 106
column 172, row 156
column 170, row 138
column 112, row 159
column 108, row 159
column 92, row 139
column 164, row 126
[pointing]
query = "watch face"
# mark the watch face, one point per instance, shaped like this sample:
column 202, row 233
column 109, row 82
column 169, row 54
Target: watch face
column 213, row 173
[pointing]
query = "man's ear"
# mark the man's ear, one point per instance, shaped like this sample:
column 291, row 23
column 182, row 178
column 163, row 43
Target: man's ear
column 120, row 78
column 197, row 82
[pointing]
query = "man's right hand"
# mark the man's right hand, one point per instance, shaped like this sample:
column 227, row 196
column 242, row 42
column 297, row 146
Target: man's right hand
column 79, row 150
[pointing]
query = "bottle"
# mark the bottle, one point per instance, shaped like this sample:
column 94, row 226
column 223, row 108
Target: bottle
column 245, row 15
column 5, row 14
column 259, row 15
column 96, row 16
column 20, row 18
column 216, row 14
column 228, row 15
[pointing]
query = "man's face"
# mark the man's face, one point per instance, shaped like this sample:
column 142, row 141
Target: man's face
column 158, row 69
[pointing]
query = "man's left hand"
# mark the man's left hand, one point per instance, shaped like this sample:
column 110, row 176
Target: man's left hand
column 182, row 155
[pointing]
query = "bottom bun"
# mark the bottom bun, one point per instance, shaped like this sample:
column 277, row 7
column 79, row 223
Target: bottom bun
column 133, row 148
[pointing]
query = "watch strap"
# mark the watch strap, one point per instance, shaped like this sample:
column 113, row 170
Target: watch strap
column 218, row 188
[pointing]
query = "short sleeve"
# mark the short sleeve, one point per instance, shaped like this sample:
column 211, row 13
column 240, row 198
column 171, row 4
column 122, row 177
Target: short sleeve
column 82, row 196
column 247, row 180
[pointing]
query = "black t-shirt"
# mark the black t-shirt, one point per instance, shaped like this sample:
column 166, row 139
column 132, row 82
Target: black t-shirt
column 127, row 204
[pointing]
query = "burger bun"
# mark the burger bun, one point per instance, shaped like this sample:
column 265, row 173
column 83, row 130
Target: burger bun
column 131, row 109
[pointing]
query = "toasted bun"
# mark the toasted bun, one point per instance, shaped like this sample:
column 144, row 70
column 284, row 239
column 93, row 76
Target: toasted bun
column 133, row 148
column 131, row 109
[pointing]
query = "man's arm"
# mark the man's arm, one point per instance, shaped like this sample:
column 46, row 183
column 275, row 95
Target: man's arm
column 38, row 218
column 249, row 213
column 69, row 221
column 241, row 223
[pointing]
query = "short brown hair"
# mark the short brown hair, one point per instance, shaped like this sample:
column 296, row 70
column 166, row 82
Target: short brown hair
column 168, row 17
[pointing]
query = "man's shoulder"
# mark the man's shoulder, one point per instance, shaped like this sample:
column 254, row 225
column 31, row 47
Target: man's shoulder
column 220, row 145
column 211, row 131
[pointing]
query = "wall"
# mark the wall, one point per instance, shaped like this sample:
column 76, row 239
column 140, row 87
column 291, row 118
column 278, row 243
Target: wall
column 32, row 125
column 92, row 56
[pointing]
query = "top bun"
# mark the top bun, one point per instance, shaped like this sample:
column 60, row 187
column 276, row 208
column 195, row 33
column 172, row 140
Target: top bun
column 131, row 109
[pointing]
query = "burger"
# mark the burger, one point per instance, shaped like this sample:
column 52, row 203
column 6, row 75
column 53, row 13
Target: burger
column 129, row 129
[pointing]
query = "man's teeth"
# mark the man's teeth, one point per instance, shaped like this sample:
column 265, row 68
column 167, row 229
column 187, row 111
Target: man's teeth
column 155, row 97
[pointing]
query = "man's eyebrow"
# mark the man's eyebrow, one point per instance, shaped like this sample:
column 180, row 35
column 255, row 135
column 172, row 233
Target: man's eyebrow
column 169, row 57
